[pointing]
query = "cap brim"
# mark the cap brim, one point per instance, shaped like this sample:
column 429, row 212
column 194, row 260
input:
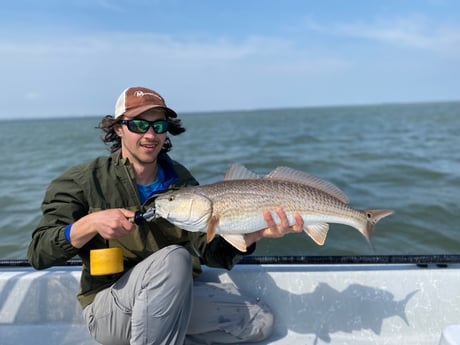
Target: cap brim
column 140, row 110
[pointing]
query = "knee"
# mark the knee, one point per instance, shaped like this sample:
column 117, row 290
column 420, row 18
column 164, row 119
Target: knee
column 178, row 262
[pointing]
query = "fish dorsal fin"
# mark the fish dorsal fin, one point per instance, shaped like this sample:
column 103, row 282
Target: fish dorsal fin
column 239, row 172
column 289, row 174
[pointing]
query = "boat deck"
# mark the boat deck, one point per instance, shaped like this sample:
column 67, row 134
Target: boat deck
column 313, row 304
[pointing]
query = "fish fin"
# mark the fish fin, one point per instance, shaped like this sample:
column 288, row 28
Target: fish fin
column 236, row 240
column 211, row 228
column 292, row 175
column 317, row 232
column 239, row 172
column 373, row 216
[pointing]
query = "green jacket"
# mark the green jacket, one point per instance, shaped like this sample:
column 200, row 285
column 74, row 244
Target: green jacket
column 108, row 182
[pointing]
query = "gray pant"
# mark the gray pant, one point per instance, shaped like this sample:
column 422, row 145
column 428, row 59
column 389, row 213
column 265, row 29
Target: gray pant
column 157, row 302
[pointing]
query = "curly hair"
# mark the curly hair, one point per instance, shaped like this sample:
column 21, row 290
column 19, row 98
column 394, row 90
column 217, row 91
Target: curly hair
column 108, row 122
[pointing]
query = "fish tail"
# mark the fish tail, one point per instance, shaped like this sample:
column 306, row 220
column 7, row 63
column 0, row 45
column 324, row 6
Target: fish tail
column 373, row 216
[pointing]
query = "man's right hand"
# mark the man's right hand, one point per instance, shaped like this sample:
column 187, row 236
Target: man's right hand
column 110, row 224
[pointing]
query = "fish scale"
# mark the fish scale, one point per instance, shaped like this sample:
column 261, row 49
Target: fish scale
column 240, row 202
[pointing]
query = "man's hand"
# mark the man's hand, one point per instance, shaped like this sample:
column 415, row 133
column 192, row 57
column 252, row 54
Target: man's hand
column 110, row 224
column 274, row 230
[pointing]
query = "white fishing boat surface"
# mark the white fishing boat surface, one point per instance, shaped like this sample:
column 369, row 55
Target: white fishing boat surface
column 327, row 303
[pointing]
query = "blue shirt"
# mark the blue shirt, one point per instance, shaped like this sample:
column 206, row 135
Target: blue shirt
column 166, row 176
column 146, row 191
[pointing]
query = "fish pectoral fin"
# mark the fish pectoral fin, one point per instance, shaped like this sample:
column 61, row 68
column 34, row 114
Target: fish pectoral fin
column 211, row 228
column 317, row 232
column 236, row 240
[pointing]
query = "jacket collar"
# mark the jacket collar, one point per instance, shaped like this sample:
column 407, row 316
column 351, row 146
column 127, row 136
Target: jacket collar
column 164, row 161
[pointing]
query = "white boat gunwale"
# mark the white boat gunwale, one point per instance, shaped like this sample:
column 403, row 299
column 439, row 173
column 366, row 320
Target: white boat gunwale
column 331, row 300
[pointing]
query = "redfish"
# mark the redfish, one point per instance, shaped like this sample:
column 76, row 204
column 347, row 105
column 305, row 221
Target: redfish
column 235, row 206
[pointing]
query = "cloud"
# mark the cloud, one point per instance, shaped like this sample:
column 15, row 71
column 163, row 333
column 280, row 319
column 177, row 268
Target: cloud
column 416, row 31
column 69, row 69
column 136, row 46
column 137, row 53
column 50, row 73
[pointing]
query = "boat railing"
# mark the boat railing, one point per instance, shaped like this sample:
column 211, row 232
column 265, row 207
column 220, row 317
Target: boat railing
column 440, row 260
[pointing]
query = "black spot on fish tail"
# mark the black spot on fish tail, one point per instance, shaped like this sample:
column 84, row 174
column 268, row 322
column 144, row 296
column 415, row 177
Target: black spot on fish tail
column 373, row 216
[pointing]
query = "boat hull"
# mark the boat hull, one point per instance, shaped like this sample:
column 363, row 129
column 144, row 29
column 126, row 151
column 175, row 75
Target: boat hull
column 313, row 304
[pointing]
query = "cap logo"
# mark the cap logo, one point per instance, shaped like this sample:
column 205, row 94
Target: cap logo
column 142, row 93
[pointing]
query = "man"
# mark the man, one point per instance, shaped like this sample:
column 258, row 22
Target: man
column 154, row 300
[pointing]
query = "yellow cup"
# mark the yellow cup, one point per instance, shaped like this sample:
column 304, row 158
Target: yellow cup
column 105, row 261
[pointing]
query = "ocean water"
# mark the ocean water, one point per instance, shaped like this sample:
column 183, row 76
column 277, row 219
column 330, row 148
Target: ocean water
column 403, row 157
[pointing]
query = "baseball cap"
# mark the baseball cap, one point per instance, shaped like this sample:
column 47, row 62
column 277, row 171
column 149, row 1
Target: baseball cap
column 133, row 101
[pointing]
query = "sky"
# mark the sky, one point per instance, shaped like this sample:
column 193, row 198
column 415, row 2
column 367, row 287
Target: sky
column 74, row 57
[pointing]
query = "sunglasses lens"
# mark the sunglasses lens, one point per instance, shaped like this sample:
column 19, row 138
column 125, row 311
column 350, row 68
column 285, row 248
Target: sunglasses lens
column 160, row 126
column 142, row 126
column 138, row 126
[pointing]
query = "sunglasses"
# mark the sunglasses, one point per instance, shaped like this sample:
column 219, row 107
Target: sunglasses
column 142, row 126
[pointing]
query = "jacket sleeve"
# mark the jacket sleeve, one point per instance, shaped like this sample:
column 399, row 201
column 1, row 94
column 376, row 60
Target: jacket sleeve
column 63, row 204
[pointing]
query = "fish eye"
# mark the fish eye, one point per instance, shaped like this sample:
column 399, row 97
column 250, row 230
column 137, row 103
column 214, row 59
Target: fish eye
column 171, row 198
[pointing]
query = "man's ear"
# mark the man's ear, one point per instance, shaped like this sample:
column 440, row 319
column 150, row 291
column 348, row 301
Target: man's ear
column 118, row 130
